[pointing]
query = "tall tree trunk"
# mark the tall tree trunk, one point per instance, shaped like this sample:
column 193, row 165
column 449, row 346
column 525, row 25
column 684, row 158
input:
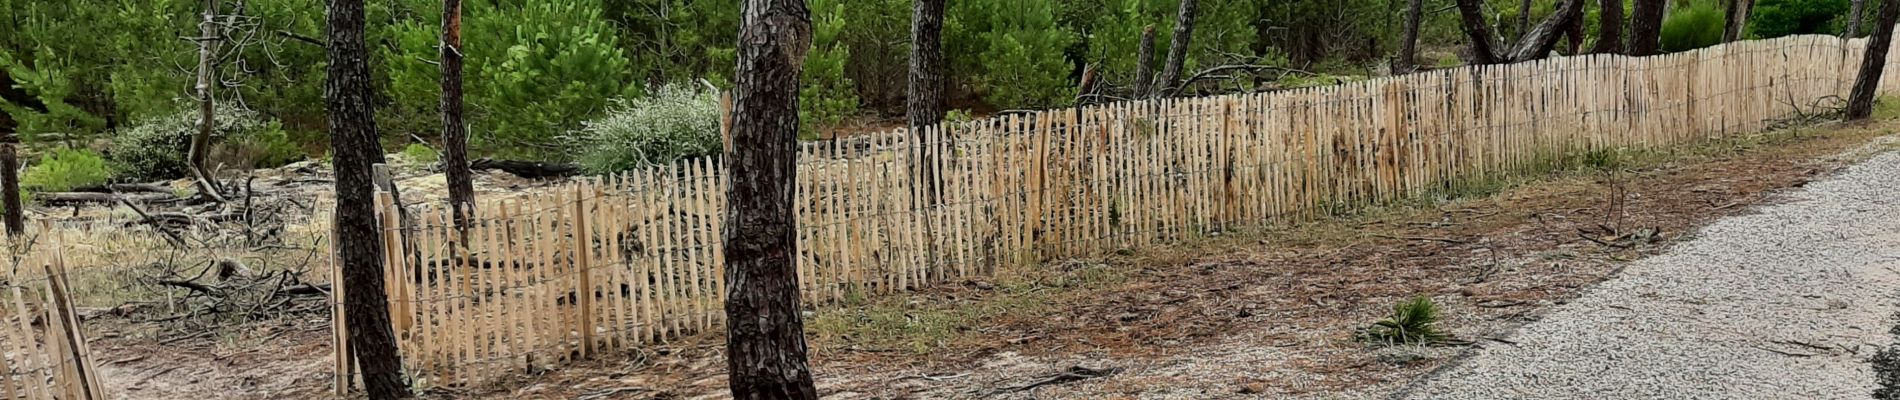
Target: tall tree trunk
column 1737, row 14
column 207, row 109
column 1574, row 35
column 1408, row 48
column 10, row 183
column 1523, row 18
column 1609, row 27
column 1484, row 45
column 1855, row 14
column 1178, row 50
column 15, row 212
column 360, row 249
column 1860, row 102
column 1540, row 40
column 454, row 133
column 765, row 343
column 1646, row 28
column 924, row 105
column 1145, row 64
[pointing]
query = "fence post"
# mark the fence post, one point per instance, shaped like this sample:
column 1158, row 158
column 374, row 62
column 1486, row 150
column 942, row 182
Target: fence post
column 583, row 247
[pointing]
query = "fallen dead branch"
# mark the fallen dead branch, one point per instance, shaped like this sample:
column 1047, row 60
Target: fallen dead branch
column 527, row 169
column 83, row 198
column 1073, row 374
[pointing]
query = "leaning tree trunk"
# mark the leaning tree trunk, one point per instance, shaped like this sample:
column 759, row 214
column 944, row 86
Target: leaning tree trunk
column 454, row 133
column 1540, row 40
column 1609, row 27
column 1855, row 14
column 1178, row 49
column 1145, row 64
column 1737, row 20
column 1860, row 102
column 924, row 105
column 207, row 117
column 1646, row 28
column 359, row 247
column 1408, row 48
column 1484, row 45
column 765, row 343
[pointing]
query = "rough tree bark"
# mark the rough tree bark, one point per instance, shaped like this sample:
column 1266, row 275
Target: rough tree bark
column 207, row 106
column 1541, row 39
column 1573, row 34
column 1408, row 47
column 1860, row 102
column 454, row 133
column 1737, row 19
column 15, row 213
column 346, row 92
column 10, row 183
column 1484, row 44
column 1178, row 49
column 1609, row 27
column 1523, row 17
column 1856, row 12
column 1535, row 44
column 924, row 105
column 1646, row 28
column 765, row 344
column 1145, row 64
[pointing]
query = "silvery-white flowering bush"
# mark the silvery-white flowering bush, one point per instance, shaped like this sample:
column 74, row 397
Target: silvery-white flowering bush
column 671, row 123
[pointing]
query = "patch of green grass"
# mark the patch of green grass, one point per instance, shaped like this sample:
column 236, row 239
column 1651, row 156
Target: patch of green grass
column 903, row 323
column 420, row 154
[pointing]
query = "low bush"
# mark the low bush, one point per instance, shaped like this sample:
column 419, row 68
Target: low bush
column 66, row 169
column 416, row 153
column 156, row 149
column 1693, row 27
column 673, row 123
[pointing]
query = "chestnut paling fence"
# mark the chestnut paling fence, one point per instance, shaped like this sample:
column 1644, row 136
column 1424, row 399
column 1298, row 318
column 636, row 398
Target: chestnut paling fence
column 43, row 350
column 610, row 263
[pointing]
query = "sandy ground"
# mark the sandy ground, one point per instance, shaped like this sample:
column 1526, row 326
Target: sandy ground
column 1788, row 302
column 1265, row 314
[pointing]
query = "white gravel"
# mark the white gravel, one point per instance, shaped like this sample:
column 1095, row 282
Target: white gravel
column 1786, row 303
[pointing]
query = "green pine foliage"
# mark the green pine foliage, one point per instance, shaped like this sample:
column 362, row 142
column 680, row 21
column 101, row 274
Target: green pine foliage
column 1777, row 18
column 1693, row 27
column 826, row 96
column 65, row 169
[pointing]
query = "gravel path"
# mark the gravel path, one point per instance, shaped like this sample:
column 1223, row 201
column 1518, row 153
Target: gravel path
column 1785, row 303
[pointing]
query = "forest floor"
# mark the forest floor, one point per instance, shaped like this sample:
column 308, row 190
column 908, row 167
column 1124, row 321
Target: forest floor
column 1269, row 312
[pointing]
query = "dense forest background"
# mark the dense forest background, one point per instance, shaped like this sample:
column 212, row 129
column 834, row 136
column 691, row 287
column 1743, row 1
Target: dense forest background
column 111, row 81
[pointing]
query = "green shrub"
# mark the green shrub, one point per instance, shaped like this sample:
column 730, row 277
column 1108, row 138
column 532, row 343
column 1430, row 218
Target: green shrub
column 1777, row 18
column 66, row 169
column 1012, row 51
column 417, row 153
column 156, row 149
column 826, row 96
column 672, row 123
column 1693, row 27
column 1412, row 322
column 537, row 79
